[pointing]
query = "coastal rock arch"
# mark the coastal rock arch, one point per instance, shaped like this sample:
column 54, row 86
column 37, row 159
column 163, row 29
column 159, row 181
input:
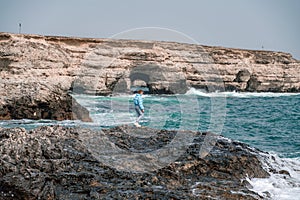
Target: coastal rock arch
column 157, row 79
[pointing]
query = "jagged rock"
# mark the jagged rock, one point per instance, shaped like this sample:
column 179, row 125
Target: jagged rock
column 54, row 162
column 55, row 105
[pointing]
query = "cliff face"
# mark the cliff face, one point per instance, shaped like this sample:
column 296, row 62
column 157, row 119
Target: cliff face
column 38, row 66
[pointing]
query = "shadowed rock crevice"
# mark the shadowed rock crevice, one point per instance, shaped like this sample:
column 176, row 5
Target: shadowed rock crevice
column 156, row 79
column 242, row 76
column 252, row 84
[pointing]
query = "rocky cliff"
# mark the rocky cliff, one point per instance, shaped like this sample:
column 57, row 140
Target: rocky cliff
column 37, row 68
column 55, row 163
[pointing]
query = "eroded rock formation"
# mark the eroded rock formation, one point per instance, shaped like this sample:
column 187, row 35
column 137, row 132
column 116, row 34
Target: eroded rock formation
column 33, row 68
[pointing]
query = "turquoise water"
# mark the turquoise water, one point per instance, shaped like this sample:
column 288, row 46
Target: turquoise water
column 268, row 121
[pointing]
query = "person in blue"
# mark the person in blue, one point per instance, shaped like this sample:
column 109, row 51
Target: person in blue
column 139, row 107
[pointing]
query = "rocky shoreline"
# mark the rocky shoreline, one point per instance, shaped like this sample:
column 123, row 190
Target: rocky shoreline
column 38, row 72
column 53, row 162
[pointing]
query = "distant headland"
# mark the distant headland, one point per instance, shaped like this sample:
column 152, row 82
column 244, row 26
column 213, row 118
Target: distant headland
column 38, row 72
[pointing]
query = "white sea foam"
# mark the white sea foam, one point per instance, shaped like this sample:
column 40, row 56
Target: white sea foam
column 193, row 91
column 279, row 186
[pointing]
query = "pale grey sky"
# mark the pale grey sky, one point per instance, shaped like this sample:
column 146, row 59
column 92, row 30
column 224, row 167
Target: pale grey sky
column 248, row 24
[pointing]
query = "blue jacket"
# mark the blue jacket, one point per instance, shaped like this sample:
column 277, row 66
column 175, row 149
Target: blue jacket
column 138, row 101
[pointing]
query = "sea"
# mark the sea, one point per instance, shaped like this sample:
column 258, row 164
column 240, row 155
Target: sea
column 269, row 122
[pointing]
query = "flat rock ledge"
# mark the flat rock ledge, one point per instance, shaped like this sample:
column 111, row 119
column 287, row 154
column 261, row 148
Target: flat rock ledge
column 52, row 162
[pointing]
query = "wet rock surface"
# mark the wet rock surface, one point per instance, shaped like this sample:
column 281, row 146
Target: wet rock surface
column 53, row 162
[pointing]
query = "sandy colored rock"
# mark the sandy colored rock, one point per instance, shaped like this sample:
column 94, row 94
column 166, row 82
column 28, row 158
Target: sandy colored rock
column 37, row 66
column 100, row 66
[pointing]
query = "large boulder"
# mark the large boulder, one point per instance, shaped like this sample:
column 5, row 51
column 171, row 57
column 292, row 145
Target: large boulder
column 56, row 105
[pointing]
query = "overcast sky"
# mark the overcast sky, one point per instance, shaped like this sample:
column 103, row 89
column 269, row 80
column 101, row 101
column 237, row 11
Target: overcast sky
column 249, row 24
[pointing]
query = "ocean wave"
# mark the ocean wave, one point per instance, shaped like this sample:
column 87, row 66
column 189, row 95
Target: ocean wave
column 283, row 183
column 193, row 91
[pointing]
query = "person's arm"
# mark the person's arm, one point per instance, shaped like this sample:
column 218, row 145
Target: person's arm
column 141, row 103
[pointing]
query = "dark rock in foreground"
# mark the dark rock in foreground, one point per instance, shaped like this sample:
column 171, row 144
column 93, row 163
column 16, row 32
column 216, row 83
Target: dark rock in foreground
column 55, row 107
column 55, row 163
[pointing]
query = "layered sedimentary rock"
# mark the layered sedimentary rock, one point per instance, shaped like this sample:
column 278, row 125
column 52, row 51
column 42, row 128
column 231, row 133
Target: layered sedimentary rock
column 38, row 66
column 56, row 163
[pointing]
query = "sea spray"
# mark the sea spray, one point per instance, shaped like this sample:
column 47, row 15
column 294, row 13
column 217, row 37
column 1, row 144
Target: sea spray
column 284, row 180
